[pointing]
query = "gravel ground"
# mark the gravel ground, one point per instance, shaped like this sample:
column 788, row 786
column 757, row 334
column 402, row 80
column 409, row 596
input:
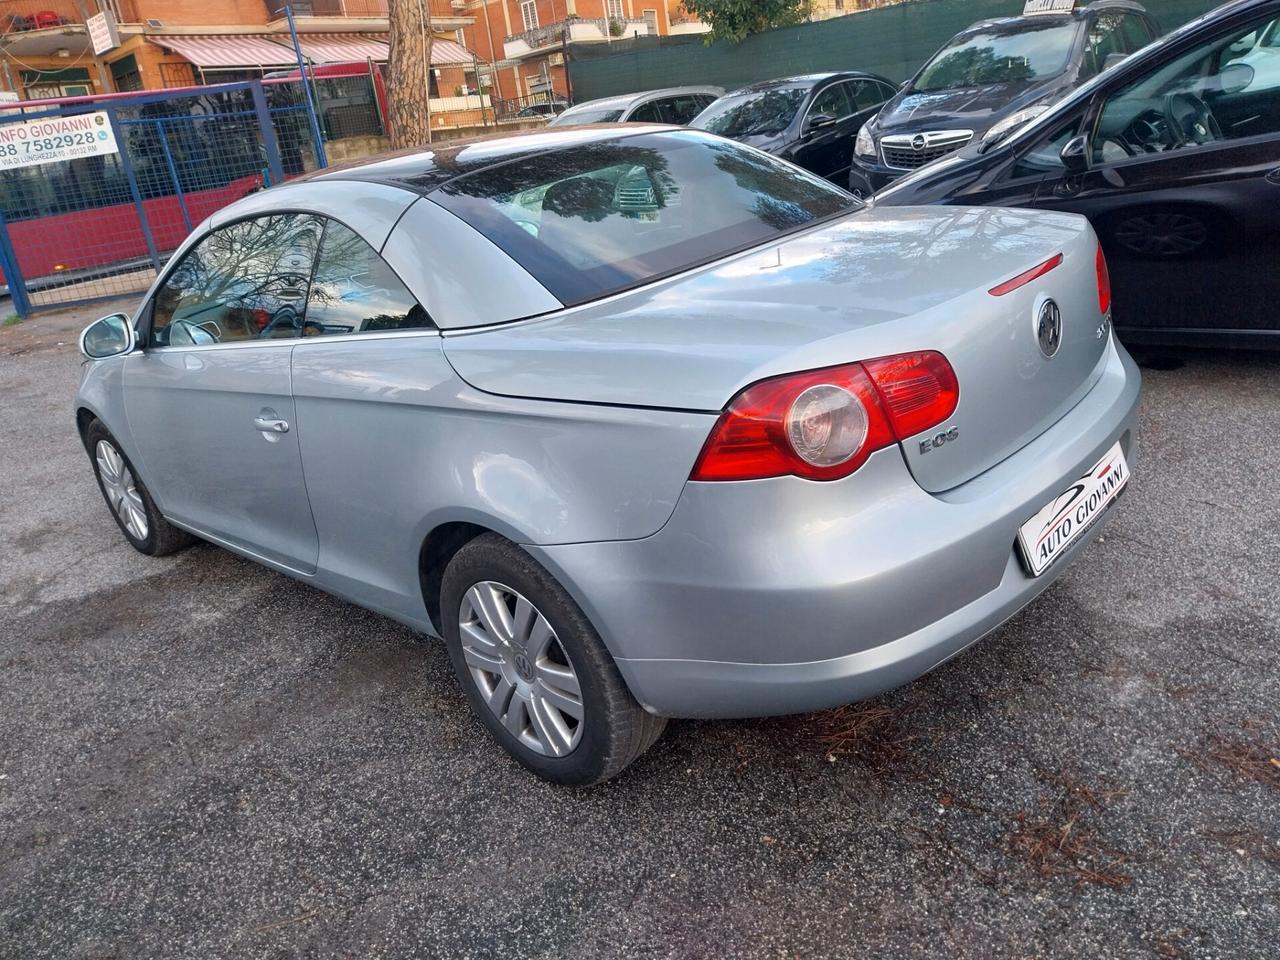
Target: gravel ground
column 202, row 758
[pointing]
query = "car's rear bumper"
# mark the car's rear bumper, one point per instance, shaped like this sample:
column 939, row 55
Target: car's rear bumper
column 784, row 595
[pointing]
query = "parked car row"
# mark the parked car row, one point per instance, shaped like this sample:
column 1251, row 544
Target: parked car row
column 1171, row 147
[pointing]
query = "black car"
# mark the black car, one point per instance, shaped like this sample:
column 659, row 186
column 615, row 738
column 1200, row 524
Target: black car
column 1174, row 156
column 991, row 78
column 809, row 120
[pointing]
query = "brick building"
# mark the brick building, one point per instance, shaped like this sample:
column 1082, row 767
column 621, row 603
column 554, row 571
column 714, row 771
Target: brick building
column 45, row 49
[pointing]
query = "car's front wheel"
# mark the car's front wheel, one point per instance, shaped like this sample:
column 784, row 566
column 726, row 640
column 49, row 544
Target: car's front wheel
column 535, row 670
column 131, row 505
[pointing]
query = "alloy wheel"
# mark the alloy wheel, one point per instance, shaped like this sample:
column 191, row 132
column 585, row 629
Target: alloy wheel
column 1162, row 234
column 122, row 490
column 520, row 668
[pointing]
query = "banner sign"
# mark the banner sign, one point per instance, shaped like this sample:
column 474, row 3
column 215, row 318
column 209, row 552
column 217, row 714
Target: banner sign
column 103, row 32
column 1048, row 6
column 51, row 139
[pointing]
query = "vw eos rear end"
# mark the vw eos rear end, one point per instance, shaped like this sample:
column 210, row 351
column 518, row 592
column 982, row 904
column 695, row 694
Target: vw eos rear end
column 923, row 415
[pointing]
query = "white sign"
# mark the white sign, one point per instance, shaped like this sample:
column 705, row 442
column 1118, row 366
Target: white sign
column 103, row 32
column 1048, row 6
column 51, row 139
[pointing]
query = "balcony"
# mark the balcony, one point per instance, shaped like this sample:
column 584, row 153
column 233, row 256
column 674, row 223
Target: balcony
column 578, row 30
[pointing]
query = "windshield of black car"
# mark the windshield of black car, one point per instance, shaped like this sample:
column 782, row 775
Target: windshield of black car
column 761, row 113
column 1018, row 53
column 587, row 115
column 595, row 218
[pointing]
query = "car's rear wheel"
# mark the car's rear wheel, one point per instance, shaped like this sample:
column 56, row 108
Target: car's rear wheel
column 127, row 498
column 535, row 670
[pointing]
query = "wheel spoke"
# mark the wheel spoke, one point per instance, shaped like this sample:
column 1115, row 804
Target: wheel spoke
column 514, row 717
column 550, row 728
column 561, row 700
column 539, row 638
column 559, row 677
column 500, row 698
column 523, row 620
column 491, row 608
column 482, row 658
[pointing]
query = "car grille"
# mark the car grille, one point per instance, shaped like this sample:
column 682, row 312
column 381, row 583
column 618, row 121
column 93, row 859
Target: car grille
column 901, row 152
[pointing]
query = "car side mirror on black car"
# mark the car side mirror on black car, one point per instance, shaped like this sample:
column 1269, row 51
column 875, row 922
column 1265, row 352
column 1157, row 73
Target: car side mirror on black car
column 820, row 121
column 1075, row 154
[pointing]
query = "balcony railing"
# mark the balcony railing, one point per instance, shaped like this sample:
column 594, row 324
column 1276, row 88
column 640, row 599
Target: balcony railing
column 370, row 9
column 21, row 16
column 579, row 29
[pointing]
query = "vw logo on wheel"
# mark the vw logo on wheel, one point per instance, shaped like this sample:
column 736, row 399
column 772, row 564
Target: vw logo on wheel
column 1049, row 328
column 919, row 142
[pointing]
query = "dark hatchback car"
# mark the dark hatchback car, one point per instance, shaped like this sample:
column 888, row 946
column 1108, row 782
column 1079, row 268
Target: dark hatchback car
column 992, row 78
column 809, row 120
column 1174, row 156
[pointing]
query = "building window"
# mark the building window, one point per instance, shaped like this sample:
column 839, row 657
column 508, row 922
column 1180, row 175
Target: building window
column 125, row 75
column 529, row 11
column 651, row 22
column 614, row 10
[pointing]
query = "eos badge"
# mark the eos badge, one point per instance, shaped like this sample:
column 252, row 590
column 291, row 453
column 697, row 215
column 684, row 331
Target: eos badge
column 939, row 439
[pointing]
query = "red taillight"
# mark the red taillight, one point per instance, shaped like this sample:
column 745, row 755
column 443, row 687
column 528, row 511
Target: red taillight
column 1104, row 281
column 824, row 424
column 1022, row 279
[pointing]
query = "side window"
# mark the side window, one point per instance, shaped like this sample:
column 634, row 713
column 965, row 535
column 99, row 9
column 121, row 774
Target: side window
column 245, row 281
column 864, row 94
column 1104, row 39
column 831, row 102
column 1210, row 93
column 681, row 109
column 1044, row 158
column 705, row 100
column 646, row 113
column 1137, row 33
column 354, row 291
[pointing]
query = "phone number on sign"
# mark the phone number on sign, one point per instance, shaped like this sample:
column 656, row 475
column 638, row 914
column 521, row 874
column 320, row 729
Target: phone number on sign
column 46, row 144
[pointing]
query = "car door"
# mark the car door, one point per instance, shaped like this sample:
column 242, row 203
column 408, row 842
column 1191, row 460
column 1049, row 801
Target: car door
column 208, row 398
column 826, row 148
column 680, row 110
column 1183, row 186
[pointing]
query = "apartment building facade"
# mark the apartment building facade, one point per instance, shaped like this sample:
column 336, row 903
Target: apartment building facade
column 46, row 49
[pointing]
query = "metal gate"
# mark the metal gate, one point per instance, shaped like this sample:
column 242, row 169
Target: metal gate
column 96, row 193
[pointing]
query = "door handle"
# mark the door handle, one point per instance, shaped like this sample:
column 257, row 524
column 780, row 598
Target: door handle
column 268, row 425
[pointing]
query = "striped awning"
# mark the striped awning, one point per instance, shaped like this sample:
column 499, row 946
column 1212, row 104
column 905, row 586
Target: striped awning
column 343, row 47
column 228, row 51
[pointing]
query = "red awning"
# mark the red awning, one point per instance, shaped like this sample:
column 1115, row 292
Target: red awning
column 228, row 52
column 342, row 47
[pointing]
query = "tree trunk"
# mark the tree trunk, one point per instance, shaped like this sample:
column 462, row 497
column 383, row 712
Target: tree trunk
column 409, row 74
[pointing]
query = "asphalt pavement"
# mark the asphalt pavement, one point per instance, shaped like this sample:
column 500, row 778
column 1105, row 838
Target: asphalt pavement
column 203, row 758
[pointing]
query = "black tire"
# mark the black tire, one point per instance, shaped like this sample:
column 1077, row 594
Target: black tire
column 162, row 537
column 615, row 728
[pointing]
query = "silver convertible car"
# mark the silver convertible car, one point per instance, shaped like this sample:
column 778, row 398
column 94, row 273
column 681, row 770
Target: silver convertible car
column 643, row 422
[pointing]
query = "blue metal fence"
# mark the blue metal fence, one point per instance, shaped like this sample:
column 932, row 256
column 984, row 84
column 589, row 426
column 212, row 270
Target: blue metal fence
column 77, row 230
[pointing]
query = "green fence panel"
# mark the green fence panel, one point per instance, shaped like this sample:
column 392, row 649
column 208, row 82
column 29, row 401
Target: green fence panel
column 893, row 41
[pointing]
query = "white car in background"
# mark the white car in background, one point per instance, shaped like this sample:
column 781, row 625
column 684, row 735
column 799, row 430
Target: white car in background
column 677, row 105
column 1264, row 57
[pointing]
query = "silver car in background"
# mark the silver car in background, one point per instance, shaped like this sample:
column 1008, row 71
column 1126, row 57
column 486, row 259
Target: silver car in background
column 675, row 105
column 643, row 422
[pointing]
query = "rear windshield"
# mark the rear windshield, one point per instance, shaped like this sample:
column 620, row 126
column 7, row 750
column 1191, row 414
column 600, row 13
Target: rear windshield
column 1018, row 53
column 764, row 113
column 596, row 218
column 585, row 115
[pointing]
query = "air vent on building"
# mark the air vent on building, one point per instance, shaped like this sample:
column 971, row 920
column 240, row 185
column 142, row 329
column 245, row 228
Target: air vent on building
column 155, row 24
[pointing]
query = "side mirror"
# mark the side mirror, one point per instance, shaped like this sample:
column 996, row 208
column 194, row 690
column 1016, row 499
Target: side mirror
column 110, row 336
column 1113, row 59
column 1234, row 77
column 820, row 121
column 1075, row 154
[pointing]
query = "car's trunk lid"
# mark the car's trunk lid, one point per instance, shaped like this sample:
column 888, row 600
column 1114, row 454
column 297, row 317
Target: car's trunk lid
column 873, row 284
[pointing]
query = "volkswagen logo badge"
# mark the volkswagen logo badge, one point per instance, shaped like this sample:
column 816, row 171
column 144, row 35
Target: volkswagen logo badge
column 1049, row 328
column 919, row 142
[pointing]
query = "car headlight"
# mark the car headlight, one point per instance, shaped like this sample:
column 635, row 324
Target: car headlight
column 1013, row 122
column 865, row 146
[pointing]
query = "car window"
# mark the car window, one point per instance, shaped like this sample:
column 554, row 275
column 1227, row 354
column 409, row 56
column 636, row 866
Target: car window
column 245, row 281
column 1208, row 94
column 355, row 291
column 647, row 113
column 864, row 94
column 681, row 110
column 756, row 113
column 1018, row 53
column 887, row 91
column 1045, row 157
column 1105, row 38
column 601, row 217
column 587, row 115
column 1137, row 32
column 831, row 102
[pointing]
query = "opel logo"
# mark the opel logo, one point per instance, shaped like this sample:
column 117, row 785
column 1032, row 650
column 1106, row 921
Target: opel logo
column 918, row 142
column 1049, row 328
